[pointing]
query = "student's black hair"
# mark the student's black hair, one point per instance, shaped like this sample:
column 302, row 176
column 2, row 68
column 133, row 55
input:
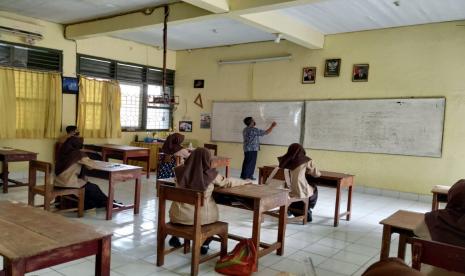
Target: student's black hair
column 248, row 121
column 69, row 129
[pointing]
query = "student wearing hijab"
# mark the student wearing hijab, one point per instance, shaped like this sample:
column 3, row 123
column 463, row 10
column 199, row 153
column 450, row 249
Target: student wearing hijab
column 446, row 225
column 299, row 165
column 69, row 174
column 196, row 174
column 172, row 147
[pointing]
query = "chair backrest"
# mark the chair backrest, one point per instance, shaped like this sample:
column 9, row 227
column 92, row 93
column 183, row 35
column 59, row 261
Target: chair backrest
column 180, row 195
column 41, row 166
column 212, row 147
column 446, row 256
column 267, row 170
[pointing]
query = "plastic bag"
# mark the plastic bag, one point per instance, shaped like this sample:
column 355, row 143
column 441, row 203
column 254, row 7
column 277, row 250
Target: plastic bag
column 241, row 261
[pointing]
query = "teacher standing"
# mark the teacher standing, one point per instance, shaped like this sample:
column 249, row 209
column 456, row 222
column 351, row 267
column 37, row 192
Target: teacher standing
column 251, row 136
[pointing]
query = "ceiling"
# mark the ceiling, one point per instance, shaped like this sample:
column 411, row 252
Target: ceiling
column 324, row 16
column 200, row 34
column 342, row 16
column 69, row 11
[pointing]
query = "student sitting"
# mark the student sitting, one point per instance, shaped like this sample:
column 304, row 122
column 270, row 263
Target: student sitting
column 298, row 164
column 196, row 174
column 172, row 147
column 68, row 172
column 72, row 131
column 445, row 225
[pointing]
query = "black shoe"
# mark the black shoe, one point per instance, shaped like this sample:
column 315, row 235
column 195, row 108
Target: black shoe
column 117, row 204
column 309, row 216
column 252, row 178
column 204, row 249
column 174, row 242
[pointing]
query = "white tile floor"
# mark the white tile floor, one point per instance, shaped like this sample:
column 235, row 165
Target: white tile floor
column 345, row 250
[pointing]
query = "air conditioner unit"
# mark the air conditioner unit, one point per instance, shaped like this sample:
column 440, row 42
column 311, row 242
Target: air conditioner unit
column 29, row 31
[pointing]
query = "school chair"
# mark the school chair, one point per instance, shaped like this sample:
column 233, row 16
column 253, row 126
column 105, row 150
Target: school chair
column 440, row 193
column 442, row 255
column 265, row 173
column 197, row 233
column 47, row 190
column 212, row 148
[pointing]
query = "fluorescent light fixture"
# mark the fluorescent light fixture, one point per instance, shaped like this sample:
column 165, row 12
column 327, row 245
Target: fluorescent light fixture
column 255, row 60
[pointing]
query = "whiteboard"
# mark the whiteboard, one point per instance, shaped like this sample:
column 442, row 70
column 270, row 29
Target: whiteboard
column 227, row 121
column 394, row 126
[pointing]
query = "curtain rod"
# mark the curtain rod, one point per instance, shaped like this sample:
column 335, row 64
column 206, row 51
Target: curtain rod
column 255, row 60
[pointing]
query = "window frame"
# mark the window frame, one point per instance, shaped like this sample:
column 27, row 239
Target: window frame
column 144, row 84
column 12, row 45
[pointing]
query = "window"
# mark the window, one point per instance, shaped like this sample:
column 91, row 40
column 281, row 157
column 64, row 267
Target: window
column 17, row 55
column 158, row 115
column 139, row 85
column 131, row 103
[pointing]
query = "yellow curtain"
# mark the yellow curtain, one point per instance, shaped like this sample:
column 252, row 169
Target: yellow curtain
column 7, row 103
column 38, row 104
column 99, row 108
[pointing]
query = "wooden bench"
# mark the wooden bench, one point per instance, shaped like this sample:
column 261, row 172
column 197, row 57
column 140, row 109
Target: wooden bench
column 440, row 193
column 32, row 239
column 442, row 255
column 327, row 179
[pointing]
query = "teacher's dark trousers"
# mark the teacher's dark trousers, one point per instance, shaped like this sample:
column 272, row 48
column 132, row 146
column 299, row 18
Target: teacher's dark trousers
column 248, row 165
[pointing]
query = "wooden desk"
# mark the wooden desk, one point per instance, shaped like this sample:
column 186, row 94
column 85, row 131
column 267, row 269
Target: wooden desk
column 401, row 222
column 32, row 239
column 126, row 153
column 221, row 161
column 327, row 179
column 440, row 193
column 117, row 173
column 258, row 199
column 13, row 155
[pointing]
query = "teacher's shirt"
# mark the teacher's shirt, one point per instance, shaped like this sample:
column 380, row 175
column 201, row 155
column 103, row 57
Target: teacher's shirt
column 251, row 138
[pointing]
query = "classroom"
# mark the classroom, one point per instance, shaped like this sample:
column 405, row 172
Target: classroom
column 372, row 91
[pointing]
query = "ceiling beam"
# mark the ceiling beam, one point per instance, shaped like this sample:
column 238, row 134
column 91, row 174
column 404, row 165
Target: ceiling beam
column 253, row 6
column 179, row 13
column 288, row 27
column 216, row 6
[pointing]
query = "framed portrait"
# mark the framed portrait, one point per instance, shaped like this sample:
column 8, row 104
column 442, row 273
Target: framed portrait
column 332, row 67
column 185, row 126
column 360, row 72
column 205, row 120
column 199, row 83
column 308, row 75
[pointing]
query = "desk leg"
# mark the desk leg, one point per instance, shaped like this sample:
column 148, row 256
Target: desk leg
column 282, row 228
column 338, row 198
column 125, row 158
column 104, row 155
column 5, row 176
column 102, row 259
column 435, row 202
column 137, row 196
column 16, row 268
column 256, row 227
column 148, row 166
column 111, row 195
column 402, row 245
column 349, row 203
column 227, row 170
column 385, row 242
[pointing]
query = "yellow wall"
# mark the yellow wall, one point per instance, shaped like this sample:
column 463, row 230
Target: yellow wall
column 418, row 61
column 105, row 47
